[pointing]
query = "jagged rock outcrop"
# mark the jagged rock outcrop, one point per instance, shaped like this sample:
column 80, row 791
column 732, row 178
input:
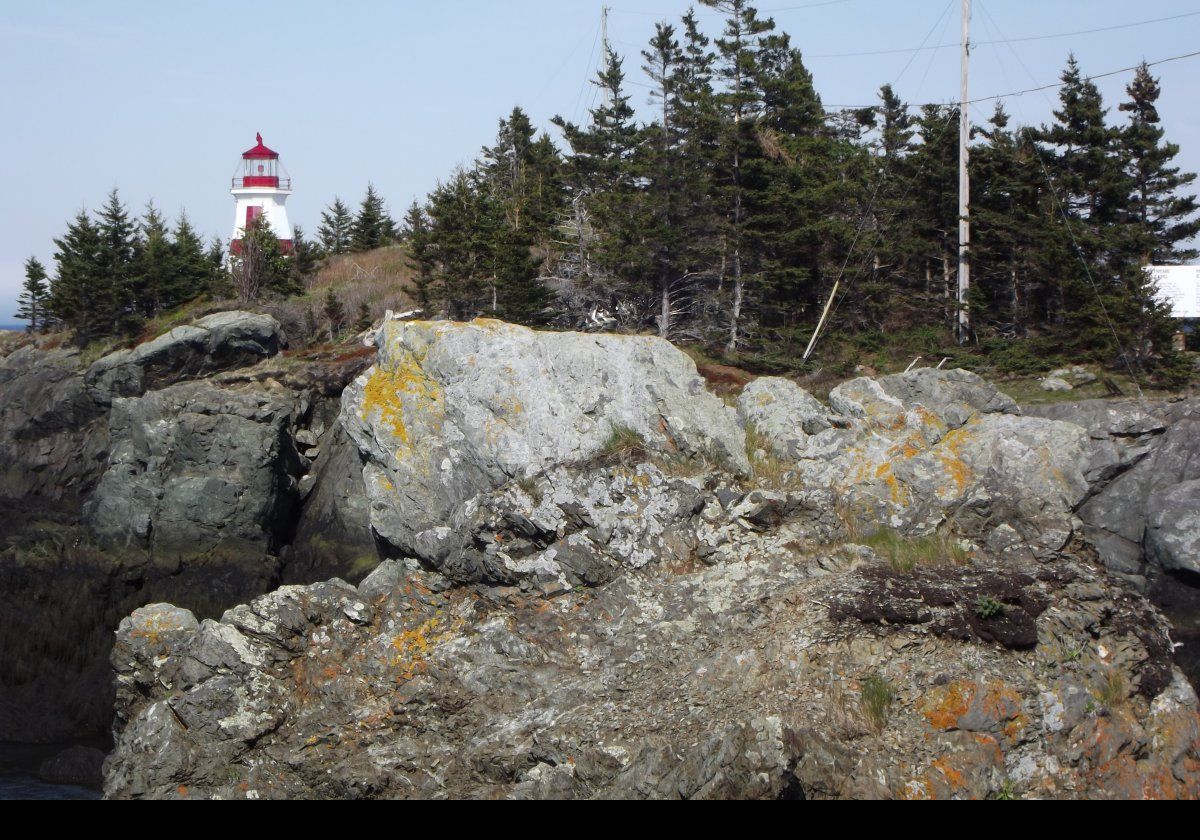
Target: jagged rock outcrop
column 215, row 343
column 745, row 679
column 451, row 412
column 597, row 592
column 53, row 408
column 190, row 496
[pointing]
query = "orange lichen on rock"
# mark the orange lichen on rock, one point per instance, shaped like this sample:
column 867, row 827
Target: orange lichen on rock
column 944, row 706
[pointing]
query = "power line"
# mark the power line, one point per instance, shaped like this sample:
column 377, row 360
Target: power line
column 1062, row 209
column 1039, row 87
column 896, row 51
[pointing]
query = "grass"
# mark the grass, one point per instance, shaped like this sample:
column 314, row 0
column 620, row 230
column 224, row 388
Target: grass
column 767, row 469
column 528, row 485
column 904, row 554
column 1007, row 792
column 875, row 698
column 1112, row 691
column 624, row 446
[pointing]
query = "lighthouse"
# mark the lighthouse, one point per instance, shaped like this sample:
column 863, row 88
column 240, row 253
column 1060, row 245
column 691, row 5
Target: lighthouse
column 259, row 191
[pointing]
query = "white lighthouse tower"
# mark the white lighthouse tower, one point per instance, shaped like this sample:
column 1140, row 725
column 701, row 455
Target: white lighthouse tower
column 259, row 191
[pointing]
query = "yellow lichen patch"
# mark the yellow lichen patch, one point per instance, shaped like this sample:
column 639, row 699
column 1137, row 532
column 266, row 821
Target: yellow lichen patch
column 390, row 392
column 413, row 646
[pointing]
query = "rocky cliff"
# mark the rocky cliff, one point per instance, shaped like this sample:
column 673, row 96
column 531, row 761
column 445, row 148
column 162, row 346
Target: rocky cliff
column 599, row 580
column 175, row 470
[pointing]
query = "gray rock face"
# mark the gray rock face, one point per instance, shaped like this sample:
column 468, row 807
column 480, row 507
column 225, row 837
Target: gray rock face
column 1055, row 385
column 914, row 450
column 1173, row 527
column 1139, row 452
column 791, row 421
column 333, row 537
column 215, row 343
column 52, row 435
column 195, row 468
column 954, row 396
column 451, row 412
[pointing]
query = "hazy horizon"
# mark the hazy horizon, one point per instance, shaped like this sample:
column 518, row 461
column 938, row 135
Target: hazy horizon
column 159, row 100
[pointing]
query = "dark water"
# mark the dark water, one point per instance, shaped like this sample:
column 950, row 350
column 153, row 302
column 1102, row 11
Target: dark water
column 18, row 774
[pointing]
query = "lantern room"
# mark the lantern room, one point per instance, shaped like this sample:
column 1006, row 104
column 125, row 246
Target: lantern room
column 260, row 188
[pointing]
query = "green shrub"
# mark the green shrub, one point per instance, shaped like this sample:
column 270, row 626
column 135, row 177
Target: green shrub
column 987, row 607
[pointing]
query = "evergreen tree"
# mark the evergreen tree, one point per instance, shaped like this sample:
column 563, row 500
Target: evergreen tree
column 372, row 226
column 334, row 232
column 303, row 260
column 153, row 274
column 335, row 314
column 740, row 66
column 603, row 191
column 416, row 235
column 1166, row 217
column 115, row 297
column 195, row 271
column 78, row 293
column 33, row 300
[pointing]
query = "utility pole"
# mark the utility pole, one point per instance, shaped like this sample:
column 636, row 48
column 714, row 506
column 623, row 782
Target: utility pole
column 604, row 48
column 964, row 183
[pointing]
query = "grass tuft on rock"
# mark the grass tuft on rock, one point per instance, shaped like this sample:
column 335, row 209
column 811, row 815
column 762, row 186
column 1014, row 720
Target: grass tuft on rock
column 905, row 553
column 876, row 697
column 767, row 469
column 623, row 447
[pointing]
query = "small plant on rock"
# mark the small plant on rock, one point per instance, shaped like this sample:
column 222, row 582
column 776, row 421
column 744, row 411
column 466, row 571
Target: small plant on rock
column 987, row 607
column 1112, row 690
column 623, row 446
column 529, row 487
column 877, row 697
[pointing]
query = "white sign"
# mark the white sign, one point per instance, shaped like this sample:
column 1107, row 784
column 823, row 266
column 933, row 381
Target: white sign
column 1178, row 285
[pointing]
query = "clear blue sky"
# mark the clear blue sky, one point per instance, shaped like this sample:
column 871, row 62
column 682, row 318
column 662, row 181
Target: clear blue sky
column 159, row 98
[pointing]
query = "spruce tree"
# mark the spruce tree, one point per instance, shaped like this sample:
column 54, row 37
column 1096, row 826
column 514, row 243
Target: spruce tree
column 116, row 303
column 335, row 314
column 334, row 232
column 32, row 302
column 154, row 272
column 603, row 192
column 372, row 226
column 416, row 235
column 195, row 274
column 739, row 66
column 303, row 259
column 1167, row 218
column 78, row 293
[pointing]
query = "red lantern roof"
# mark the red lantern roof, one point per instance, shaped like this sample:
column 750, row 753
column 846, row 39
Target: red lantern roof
column 259, row 151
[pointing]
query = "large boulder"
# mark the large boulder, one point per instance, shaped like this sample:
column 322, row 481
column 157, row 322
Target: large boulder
column 214, row 343
column 953, row 396
column 450, row 412
column 913, row 450
column 194, row 468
